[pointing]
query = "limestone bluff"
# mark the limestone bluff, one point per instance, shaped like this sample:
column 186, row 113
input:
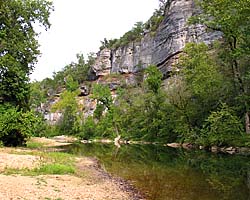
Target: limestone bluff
column 161, row 49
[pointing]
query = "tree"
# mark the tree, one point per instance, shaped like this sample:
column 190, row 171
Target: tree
column 153, row 78
column 37, row 94
column 18, row 54
column 103, row 96
column 232, row 19
column 19, row 46
column 78, row 70
column 71, row 85
column 144, row 113
column 195, row 90
column 16, row 126
column 200, row 71
column 221, row 128
column 67, row 105
column 163, row 5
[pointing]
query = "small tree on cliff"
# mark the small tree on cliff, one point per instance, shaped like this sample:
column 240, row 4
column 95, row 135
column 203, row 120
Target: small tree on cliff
column 103, row 96
column 153, row 78
column 71, row 116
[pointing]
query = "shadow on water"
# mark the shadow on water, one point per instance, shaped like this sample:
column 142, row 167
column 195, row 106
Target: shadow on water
column 163, row 173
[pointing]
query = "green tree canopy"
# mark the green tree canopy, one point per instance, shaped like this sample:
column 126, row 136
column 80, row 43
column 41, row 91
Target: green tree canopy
column 153, row 79
column 19, row 46
column 232, row 19
column 18, row 55
column 102, row 94
column 67, row 105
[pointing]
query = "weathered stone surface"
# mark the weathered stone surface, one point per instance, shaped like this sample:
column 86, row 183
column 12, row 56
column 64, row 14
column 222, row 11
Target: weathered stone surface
column 133, row 57
column 88, row 104
column 102, row 65
column 162, row 48
column 53, row 118
column 174, row 33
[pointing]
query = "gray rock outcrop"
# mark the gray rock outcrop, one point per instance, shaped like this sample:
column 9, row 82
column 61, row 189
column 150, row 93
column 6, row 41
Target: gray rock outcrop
column 102, row 64
column 162, row 48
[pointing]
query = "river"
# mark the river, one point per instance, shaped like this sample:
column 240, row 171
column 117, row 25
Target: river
column 164, row 173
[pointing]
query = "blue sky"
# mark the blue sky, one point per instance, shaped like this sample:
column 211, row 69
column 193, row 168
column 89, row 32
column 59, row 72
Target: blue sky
column 78, row 26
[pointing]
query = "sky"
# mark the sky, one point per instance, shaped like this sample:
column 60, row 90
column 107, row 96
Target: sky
column 78, row 26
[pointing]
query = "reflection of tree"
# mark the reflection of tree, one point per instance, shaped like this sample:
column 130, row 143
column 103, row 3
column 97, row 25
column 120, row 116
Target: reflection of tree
column 226, row 175
column 248, row 182
column 162, row 172
column 223, row 184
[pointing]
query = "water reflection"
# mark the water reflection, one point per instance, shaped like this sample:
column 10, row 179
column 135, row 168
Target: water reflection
column 165, row 173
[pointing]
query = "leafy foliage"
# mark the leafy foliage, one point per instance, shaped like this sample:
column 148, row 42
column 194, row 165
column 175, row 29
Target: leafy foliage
column 16, row 126
column 222, row 128
column 135, row 34
column 19, row 47
column 232, row 19
column 18, row 54
column 102, row 94
column 88, row 130
column 153, row 79
column 71, row 85
column 154, row 22
column 68, row 106
column 38, row 95
column 201, row 86
column 138, row 30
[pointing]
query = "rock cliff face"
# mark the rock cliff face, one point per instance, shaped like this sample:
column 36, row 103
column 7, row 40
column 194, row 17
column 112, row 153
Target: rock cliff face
column 162, row 48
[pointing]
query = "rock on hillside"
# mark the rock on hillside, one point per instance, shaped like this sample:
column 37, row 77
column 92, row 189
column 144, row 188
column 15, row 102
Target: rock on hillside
column 162, row 48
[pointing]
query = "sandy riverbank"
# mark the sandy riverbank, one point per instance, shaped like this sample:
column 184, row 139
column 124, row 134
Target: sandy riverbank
column 89, row 183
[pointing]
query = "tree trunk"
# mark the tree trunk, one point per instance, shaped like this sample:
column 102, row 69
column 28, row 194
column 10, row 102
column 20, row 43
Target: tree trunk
column 247, row 123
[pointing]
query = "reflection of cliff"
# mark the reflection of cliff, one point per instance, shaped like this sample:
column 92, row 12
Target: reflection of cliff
column 161, row 49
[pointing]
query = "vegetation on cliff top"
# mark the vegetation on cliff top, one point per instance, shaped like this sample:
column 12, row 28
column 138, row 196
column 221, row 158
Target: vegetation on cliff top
column 137, row 32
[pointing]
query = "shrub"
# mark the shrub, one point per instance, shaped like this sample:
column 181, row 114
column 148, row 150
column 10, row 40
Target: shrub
column 88, row 129
column 222, row 128
column 16, row 126
column 69, row 122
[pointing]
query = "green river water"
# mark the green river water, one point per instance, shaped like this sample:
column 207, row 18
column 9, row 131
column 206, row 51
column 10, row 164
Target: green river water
column 163, row 173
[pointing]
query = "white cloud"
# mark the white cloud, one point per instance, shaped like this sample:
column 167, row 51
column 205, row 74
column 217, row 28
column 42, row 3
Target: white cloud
column 78, row 26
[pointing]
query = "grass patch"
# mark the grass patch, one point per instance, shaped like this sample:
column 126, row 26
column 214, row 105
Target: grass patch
column 56, row 163
column 34, row 145
column 59, row 157
column 10, row 171
column 51, row 163
column 55, row 169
